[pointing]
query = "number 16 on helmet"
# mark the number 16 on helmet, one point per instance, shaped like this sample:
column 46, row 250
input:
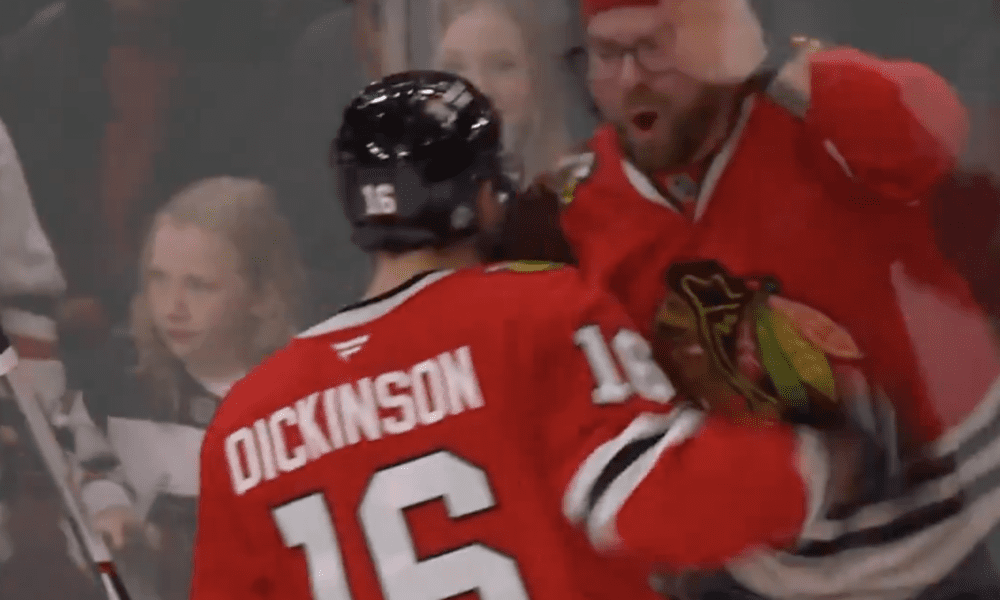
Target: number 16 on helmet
column 411, row 158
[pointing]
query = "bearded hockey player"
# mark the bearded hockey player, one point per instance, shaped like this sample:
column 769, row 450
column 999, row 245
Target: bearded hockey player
column 444, row 435
column 809, row 175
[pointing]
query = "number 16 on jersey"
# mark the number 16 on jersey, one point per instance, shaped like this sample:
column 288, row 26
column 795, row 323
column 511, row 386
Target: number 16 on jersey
column 642, row 374
column 306, row 523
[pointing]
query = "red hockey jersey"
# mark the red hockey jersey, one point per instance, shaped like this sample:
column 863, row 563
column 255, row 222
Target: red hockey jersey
column 824, row 202
column 443, row 438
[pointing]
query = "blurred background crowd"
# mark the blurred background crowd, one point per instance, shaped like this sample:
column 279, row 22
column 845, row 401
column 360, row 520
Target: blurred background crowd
column 167, row 216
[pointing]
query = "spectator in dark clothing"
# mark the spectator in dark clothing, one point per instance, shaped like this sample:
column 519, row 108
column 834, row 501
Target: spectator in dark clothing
column 116, row 104
column 326, row 70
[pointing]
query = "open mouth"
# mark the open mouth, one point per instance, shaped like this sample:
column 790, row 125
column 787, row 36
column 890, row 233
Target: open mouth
column 645, row 120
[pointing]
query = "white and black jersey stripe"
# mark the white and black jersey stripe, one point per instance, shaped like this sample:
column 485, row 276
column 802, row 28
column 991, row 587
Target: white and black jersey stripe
column 615, row 469
column 611, row 473
column 896, row 548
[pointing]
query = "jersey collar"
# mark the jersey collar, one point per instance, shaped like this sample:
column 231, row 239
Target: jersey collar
column 645, row 187
column 373, row 308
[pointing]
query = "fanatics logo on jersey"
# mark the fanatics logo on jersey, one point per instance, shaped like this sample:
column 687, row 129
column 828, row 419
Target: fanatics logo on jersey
column 345, row 350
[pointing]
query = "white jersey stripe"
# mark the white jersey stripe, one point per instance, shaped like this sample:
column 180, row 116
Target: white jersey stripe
column 972, row 464
column 601, row 522
column 895, row 571
column 367, row 313
column 814, row 468
column 985, row 414
column 576, row 500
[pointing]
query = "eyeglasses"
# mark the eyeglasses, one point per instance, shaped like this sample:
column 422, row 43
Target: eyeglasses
column 653, row 55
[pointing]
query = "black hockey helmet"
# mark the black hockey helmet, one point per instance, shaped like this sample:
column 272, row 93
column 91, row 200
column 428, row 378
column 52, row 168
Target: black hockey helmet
column 411, row 156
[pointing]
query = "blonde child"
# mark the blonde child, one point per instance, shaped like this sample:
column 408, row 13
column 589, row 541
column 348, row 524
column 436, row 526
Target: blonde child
column 220, row 289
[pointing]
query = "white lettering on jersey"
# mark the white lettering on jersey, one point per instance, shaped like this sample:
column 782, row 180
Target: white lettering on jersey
column 392, row 403
column 428, row 392
column 332, row 419
column 240, row 445
column 288, row 460
column 266, row 449
column 388, row 390
column 460, row 377
column 358, row 412
column 316, row 444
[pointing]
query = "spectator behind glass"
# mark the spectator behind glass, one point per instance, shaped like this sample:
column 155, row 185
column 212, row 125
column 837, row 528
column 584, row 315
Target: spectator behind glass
column 492, row 43
column 326, row 67
column 220, row 285
column 220, row 289
column 120, row 103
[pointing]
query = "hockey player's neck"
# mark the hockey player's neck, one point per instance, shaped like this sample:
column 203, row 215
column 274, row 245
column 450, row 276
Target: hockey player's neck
column 393, row 270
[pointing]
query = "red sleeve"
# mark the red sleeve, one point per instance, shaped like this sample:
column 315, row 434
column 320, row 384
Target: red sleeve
column 658, row 479
column 895, row 126
column 225, row 564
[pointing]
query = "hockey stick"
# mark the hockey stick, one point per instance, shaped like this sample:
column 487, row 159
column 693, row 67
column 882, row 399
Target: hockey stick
column 58, row 467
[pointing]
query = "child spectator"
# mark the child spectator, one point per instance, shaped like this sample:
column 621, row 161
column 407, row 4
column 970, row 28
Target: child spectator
column 220, row 286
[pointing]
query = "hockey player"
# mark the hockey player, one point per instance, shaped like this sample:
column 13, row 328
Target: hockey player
column 444, row 435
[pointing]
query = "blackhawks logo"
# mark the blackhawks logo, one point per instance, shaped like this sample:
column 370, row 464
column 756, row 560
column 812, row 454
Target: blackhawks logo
column 572, row 171
column 725, row 338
